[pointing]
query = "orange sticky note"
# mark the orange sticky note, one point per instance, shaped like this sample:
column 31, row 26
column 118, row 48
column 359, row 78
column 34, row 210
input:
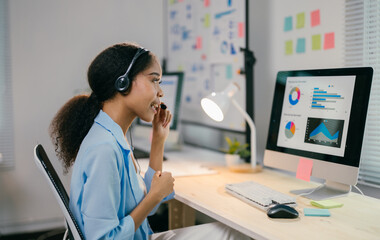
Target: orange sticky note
column 315, row 18
column 240, row 29
column 329, row 41
column 304, row 169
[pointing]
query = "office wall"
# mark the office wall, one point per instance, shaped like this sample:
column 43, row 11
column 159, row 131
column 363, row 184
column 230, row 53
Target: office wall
column 52, row 44
column 268, row 39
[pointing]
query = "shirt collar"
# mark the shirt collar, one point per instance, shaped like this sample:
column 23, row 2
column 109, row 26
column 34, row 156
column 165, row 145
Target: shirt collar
column 110, row 125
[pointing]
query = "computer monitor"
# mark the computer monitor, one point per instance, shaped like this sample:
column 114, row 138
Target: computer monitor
column 320, row 115
column 171, row 85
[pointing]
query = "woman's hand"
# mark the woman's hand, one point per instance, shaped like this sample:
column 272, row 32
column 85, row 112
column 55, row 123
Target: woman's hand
column 161, row 124
column 162, row 185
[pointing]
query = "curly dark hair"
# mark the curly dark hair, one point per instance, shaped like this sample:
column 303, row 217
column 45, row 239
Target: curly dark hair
column 73, row 121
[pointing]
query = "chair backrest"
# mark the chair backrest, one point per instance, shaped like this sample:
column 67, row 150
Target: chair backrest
column 59, row 190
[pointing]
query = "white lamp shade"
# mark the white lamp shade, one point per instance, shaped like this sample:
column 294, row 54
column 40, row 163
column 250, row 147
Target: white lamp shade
column 216, row 105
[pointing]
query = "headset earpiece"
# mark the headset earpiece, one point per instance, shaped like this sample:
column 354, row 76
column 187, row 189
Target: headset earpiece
column 122, row 83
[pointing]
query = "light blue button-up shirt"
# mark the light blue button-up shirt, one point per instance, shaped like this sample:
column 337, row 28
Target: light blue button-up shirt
column 105, row 186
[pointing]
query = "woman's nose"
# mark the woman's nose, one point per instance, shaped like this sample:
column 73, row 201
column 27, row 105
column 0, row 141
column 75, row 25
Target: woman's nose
column 160, row 93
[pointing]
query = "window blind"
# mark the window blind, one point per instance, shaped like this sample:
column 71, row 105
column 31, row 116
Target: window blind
column 362, row 48
column 6, row 106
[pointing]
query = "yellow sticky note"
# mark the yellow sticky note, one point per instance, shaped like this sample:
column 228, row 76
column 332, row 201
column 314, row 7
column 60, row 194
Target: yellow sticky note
column 326, row 204
column 206, row 22
column 300, row 20
column 316, row 42
column 289, row 47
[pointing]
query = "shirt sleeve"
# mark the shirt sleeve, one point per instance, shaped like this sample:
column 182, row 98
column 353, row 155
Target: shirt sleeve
column 148, row 182
column 101, row 196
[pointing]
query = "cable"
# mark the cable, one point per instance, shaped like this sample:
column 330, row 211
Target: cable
column 359, row 190
column 133, row 148
column 66, row 234
column 304, row 194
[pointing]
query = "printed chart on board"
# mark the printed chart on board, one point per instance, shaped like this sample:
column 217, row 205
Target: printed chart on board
column 204, row 41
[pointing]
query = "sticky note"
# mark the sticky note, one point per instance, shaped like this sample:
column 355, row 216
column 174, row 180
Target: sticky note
column 229, row 72
column 300, row 20
column 199, row 43
column 315, row 18
column 316, row 212
column 316, row 42
column 304, row 169
column 326, row 204
column 300, row 48
column 289, row 47
column 240, row 29
column 206, row 3
column 288, row 24
column 329, row 41
column 206, row 22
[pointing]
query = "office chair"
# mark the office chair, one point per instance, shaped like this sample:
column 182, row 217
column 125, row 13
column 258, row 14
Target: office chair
column 47, row 169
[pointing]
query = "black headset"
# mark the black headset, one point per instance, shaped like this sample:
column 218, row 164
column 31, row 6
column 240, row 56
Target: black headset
column 122, row 83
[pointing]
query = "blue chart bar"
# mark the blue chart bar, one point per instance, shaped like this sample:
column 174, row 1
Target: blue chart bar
column 321, row 97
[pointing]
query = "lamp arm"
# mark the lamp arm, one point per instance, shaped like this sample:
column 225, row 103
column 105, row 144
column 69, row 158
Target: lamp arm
column 253, row 131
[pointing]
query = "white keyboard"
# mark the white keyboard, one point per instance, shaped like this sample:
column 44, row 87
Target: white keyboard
column 258, row 195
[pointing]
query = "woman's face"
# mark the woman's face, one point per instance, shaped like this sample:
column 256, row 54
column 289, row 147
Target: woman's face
column 144, row 97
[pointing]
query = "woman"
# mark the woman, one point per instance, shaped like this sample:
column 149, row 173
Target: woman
column 108, row 198
column 107, row 195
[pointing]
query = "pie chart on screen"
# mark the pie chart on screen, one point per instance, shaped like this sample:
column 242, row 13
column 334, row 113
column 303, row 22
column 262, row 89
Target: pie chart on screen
column 294, row 96
column 290, row 129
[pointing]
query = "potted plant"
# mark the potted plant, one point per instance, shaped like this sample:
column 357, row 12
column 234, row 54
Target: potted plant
column 236, row 152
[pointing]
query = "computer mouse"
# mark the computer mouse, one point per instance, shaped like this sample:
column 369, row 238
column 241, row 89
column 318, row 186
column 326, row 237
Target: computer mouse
column 282, row 211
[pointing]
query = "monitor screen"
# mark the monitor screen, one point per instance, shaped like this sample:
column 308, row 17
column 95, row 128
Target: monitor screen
column 319, row 115
column 171, row 85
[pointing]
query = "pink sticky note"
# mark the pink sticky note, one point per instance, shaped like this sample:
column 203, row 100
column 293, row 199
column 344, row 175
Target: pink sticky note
column 199, row 43
column 315, row 18
column 329, row 41
column 240, row 29
column 206, row 3
column 304, row 169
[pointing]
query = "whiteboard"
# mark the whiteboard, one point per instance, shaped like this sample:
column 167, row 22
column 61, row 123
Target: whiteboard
column 204, row 41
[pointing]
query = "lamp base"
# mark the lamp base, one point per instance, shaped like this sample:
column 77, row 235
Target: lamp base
column 245, row 168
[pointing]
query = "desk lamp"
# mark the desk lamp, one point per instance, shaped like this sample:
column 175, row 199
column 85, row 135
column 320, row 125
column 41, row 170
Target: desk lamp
column 216, row 105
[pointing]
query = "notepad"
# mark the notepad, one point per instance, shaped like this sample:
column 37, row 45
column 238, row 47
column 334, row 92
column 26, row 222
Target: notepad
column 315, row 212
column 326, row 204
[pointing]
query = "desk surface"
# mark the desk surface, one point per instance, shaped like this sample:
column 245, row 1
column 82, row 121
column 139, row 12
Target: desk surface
column 357, row 219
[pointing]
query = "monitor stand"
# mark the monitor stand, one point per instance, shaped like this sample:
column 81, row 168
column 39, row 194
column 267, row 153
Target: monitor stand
column 328, row 190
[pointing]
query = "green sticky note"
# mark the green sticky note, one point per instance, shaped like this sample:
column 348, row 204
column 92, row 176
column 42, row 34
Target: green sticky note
column 229, row 71
column 316, row 212
column 206, row 22
column 326, row 204
column 300, row 20
column 288, row 24
column 301, row 42
column 316, row 42
column 289, row 47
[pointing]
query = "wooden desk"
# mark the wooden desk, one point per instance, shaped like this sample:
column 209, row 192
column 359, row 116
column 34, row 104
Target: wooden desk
column 357, row 219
